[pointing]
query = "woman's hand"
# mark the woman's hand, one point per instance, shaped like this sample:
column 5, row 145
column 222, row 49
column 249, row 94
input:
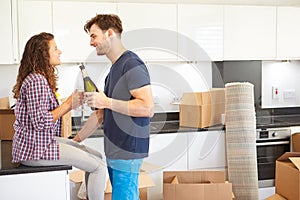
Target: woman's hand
column 76, row 99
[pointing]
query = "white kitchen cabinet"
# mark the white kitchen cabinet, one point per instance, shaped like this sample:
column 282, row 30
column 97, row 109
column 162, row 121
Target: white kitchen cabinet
column 6, row 32
column 150, row 29
column 34, row 17
column 36, row 186
column 295, row 129
column 207, row 150
column 249, row 32
column 167, row 152
column 200, row 32
column 69, row 19
column 96, row 143
column 288, row 32
column 202, row 150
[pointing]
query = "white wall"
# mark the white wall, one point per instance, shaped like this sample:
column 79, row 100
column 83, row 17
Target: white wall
column 169, row 80
column 8, row 77
column 284, row 76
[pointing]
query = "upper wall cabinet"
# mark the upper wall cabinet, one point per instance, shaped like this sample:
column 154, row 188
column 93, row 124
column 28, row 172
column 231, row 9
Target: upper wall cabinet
column 288, row 33
column 69, row 19
column 249, row 32
column 150, row 30
column 200, row 32
column 34, row 17
column 6, row 32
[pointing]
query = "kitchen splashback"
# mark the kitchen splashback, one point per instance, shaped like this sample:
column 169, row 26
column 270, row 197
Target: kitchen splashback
column 264, row 75
column 239, row 71
column 280, row 84
column 169, row 81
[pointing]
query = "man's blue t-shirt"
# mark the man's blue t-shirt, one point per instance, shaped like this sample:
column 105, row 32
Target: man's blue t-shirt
column 126, row 137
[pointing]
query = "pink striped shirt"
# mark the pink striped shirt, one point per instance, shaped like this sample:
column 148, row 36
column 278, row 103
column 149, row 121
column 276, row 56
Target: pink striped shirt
column 34, row 129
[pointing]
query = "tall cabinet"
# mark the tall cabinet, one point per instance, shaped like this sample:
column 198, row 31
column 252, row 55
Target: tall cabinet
column 29, row 25
column 249, row 32
column 150, row 29
column 157, row 31
column 69, row 19
column 200, row 32
column 6, row 32
column 65, row 19
column 288, row 33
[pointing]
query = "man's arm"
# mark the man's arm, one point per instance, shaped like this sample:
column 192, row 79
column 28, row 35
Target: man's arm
column 141, row 106
column 90, row 126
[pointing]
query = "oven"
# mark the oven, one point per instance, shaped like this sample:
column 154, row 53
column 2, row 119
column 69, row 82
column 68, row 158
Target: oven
column 270, row 144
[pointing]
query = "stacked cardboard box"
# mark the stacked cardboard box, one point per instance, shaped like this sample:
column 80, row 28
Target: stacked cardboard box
column 287, row 177
column 7, row 119
column 202, row 109
column 190, row 185
column 66, row 125
column 296, row 142
column 275, row 197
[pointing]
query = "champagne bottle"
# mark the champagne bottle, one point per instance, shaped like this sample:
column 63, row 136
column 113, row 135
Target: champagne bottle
column 89, row 85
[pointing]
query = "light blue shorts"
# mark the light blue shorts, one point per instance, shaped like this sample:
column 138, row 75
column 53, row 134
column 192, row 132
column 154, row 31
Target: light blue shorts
column 123, row 175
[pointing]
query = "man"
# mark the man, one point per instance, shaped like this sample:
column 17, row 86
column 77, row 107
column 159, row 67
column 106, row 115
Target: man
column 125, row 107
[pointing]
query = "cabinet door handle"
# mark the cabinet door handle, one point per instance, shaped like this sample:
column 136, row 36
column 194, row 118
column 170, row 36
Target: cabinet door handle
column 272, row 143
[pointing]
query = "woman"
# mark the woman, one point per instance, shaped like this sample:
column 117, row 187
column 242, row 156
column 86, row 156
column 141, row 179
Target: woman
column 37, row 140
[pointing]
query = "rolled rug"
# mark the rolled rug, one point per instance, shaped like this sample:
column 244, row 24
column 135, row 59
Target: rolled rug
column 241, row 139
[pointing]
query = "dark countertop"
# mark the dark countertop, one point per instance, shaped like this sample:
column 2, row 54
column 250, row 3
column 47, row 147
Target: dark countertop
column 161, row 123
column 8, row 168
column 276, row 121
column 172, row 126
column 159, row 128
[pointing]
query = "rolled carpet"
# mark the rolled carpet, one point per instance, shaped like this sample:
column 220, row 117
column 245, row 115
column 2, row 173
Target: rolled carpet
column 241, row 139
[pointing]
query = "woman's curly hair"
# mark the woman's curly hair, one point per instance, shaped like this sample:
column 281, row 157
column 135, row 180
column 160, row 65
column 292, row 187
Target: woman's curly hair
column 35, row 59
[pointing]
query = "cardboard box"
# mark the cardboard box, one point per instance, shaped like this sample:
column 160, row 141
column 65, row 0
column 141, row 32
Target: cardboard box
column 275, row 197
column 296, row 142
column 190, row 185
column 202, row 109
column 213, row 96
column 4, row 103
column 145, row 182
column 287, row 177
column 7, row 119
column 66, row 125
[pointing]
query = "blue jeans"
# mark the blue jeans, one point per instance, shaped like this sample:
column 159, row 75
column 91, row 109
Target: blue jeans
column 123, row 175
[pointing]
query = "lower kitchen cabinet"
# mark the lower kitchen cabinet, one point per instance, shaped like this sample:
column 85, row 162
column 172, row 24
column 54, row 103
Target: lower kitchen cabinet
column 167, row 152
column 181, row 151
column 199, row 150
column 36, row 186
column 263, row 193
column 295, row 129
column 34, row 183
column 96, row 143
column 207, row 150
